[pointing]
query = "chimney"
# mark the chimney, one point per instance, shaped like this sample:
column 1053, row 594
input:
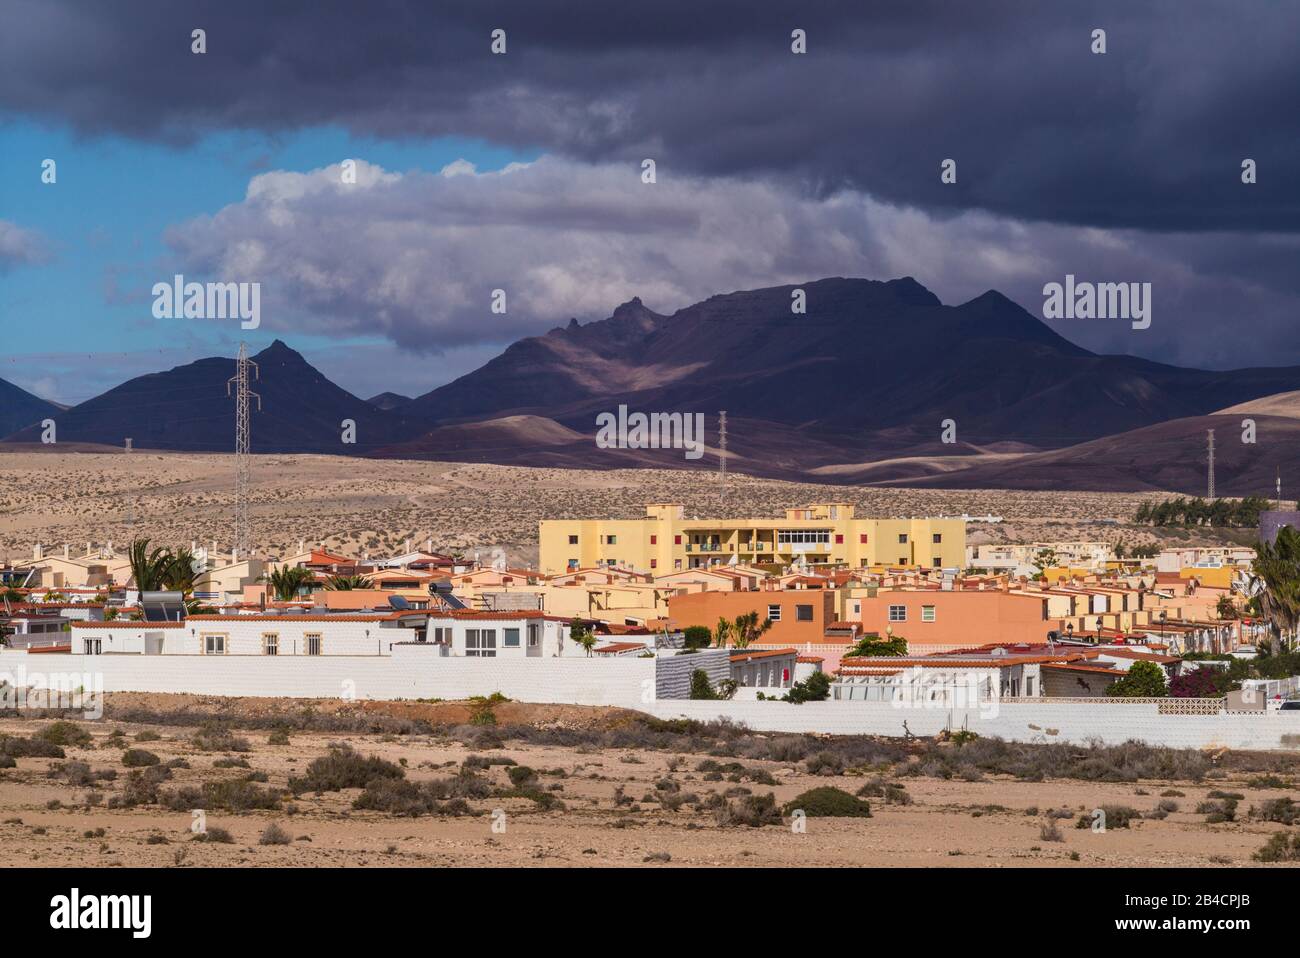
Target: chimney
column 38, row 552
column 302, row 545
column 66, row 550
column 214, row 546
column 193, row 546
column 408, row 545
column 428, row 545
column 234, row 555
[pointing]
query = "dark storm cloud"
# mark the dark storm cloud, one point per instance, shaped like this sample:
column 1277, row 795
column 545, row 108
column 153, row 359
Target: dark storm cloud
column 1150, row 135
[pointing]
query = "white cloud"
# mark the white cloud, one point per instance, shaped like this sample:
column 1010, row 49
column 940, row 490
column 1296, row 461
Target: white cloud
column 415, row 256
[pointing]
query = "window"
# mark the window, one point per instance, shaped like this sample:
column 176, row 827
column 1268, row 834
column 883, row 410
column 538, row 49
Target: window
column 803, row 537
column 534, row 634
column 863, row 538
column 573, row 540
column 270, row 643
column 654, row 540
column 94, row 646
column 902, row 538
column 938, row 562
column 654, row 563
column 611, row 540
column 839, row 539
column 311, row 643
column 774, row 613
column 898, row 613
column 936, row 538
column 214, row 644
column 927, row 613
column 1029, row 686
column 510, row 639
column 442, row 635
column 573, row 565
column 677, row 563
column 902, row 560
column 803, row 613
column 677, row 540
column 481, row 642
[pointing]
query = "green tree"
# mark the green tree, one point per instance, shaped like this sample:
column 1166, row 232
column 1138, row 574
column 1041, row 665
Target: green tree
column 582, row 634
column 697, row 637
column 1275, row 573
column 722, row 635
column 346, row 583
column 179, row 572
column 148, row 567
column 815, row 688
column 872, row 644
column 700, row 686
column 746, row 629
column 286, row 581
column 1144, row 680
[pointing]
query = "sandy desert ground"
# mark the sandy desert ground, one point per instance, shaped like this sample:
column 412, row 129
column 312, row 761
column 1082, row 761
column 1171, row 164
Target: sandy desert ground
column 375, row 505
column 606, row 787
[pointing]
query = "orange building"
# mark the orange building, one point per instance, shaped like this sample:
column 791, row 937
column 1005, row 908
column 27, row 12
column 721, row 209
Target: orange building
column 936, row 620
column 797, row 616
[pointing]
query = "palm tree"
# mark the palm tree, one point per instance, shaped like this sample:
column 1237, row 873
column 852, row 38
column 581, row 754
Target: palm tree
column 747, row 630
column 1275, row 579
column 722, row 635
column 148, row 568
column 179, row 573
column 287, row 580
column 346, row 583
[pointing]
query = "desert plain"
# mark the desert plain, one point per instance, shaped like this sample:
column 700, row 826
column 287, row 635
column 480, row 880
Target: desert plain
column 183, row 780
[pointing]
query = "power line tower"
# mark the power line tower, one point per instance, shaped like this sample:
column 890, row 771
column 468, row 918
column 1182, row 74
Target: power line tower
column 1210, row 452
column 242, row 392
column 722, row 455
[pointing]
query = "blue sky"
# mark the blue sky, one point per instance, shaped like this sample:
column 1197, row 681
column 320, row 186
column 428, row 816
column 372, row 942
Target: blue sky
column 81, row 322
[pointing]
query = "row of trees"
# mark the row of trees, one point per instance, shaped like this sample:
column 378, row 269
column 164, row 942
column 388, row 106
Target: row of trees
column 1226, row 513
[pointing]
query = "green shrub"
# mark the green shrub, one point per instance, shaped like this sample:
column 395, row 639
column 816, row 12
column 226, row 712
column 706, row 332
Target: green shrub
column 139, row 758
column 66, row 733
column 275, row 835
column 215, row 834
column 520, row 774
column 829, row 802
column 343, row 768
column 1280, row 848
column 236, row 795
column 751, row 811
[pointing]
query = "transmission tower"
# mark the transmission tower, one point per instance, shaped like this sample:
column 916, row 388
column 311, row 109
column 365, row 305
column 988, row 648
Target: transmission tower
column 242, row 392
column 1210, row 452
column 722, row 455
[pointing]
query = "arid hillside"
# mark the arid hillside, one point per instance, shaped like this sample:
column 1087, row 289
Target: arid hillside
column 375, row 505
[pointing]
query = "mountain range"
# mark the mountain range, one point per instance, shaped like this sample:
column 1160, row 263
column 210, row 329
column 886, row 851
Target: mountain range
column 858, row 389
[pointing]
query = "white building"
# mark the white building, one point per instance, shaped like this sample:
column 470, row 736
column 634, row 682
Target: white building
column 460, row 633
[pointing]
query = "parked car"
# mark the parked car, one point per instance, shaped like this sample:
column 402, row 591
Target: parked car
column 1289, row 707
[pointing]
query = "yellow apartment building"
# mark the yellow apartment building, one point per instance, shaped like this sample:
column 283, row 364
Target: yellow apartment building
column 666, row 540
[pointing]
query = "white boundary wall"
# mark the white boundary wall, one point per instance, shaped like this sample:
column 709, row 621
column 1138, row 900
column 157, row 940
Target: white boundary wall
column 416, row 672
column 412, row 672
column 1043, row 721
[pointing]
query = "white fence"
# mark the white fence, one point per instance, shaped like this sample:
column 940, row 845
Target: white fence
column 1029, row 721
column 412, row 672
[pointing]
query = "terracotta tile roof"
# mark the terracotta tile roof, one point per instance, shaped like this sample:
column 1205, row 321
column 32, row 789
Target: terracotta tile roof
column 746, row 655
column 616, row 647
column 136, row 624
column 1080, row 667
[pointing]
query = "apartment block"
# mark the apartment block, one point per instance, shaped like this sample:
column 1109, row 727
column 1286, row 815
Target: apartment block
column 667, row 540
